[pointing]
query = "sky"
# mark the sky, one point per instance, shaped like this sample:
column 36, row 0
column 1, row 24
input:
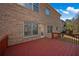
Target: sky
column 67, row 10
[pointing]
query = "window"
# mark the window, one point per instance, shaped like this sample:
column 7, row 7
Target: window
column 36, row 7
column 33, row 6
column 28, row 5
column 35, row 29
column 47, row 12
column 57, row 28
column 49, row 29
column 27, row 29
column 78, row 28
column 30, row 29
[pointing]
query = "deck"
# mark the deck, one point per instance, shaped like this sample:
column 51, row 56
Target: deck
column 43, row 47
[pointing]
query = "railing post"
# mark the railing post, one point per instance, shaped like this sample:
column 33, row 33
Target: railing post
column 3, row 44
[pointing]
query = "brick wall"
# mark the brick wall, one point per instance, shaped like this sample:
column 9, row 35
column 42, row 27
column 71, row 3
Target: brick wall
column 12, row 17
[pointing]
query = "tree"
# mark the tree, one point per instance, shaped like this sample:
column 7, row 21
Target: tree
column 69, row 26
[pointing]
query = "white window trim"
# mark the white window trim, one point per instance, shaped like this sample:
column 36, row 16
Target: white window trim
column 28, row 36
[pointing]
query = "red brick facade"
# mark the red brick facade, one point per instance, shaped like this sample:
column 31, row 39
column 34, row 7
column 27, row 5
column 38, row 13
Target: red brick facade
column 13, row 16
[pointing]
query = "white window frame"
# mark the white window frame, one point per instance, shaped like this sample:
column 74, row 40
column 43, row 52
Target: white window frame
column 47, row 29
column 31, row 30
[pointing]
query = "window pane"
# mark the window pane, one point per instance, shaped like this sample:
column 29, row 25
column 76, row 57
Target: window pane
column 36, row 7
column 47, row 11
column 35, row 29
column 36, row 4
column 78, row 28
column 27, row 30
column 30, row 29
column 28, row 5
column 57, row 28
column 49, row 29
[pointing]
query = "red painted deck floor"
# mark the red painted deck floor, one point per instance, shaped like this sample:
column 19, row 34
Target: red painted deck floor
column 43, row 47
